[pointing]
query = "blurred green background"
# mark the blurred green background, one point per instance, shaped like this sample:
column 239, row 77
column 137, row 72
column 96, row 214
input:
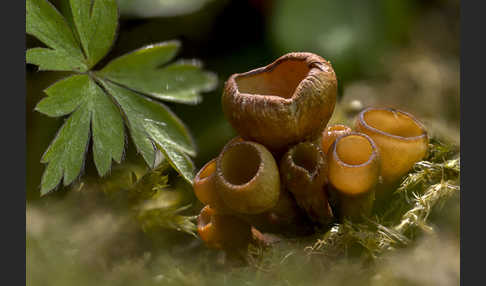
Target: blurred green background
column 401, row 53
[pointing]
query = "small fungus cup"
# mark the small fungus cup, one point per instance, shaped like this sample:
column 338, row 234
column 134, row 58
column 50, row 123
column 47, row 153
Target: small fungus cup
column 283, row 103
column 304, row 173
column 205, row 188
column 222, row 231
column 401, row 139
column 203, row 184
column 331, row 133
column 247, row 177
column 354, row 168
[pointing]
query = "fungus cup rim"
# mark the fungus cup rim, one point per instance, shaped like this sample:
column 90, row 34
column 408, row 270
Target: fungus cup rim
column 393, row 110
column 374, row 150
column 205, row 218
column 315, row 169
column 219, row 170
column 341, row 126
column 312, row 65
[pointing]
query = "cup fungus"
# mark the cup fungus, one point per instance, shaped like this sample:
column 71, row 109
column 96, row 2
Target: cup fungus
column 280, row 112
column 304, row 173
column 205, row 188
column 354, row 167
column 331, row 133
column 401, row 139
column 283, row 103
column 222, row 231
column 247, row 177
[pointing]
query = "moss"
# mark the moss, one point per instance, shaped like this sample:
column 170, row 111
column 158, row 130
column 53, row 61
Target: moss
column 84, row 239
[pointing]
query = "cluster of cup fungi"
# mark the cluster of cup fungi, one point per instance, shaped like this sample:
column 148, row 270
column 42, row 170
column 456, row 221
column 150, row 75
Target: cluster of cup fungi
column 288, row 172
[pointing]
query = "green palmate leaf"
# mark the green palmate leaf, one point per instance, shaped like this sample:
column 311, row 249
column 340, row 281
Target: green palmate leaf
column 45, row 23
column 141, row 71
column 179, row 82
column 55, row 60
column 138, row 110
column 91, row 107
column 149, row 57
column 64, row 96
column 107, row 128
column 77, row 43
column 96, row 22
column 65, row 155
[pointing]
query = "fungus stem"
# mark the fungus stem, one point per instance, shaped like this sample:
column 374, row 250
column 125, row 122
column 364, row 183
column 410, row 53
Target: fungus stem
column 304, row 173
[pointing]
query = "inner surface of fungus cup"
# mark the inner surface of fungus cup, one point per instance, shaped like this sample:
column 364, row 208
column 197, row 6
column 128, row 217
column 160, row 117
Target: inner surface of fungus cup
column 247, row 177
column 281, row 81
column 354, row 150
column 286, row 102
column 247, row 167
column 306, row 157
column 401, row 139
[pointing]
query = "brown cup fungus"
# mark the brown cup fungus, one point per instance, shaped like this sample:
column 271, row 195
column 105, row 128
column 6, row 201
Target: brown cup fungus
column 222, row 231
column 354, row 168
column 283, row 103
column 280, row 112
column 284, row 217
column 331, row 133
column 205, row 188
column 247, row 178
column 304, row 173
column 401, row 139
